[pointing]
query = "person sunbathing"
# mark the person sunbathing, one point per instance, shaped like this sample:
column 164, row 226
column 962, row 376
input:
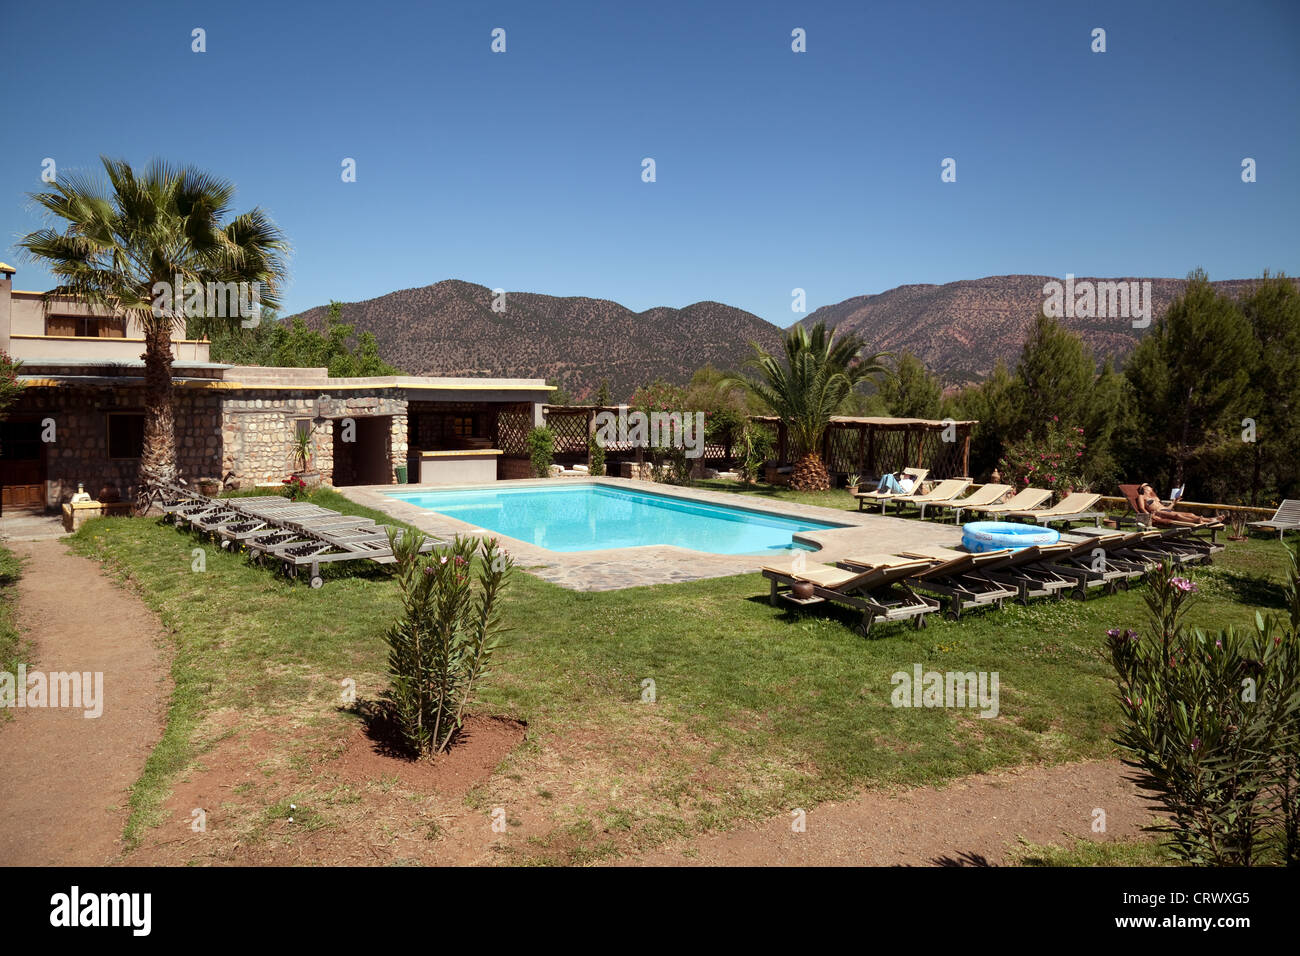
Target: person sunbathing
column 898, row 483
column 1149, row 503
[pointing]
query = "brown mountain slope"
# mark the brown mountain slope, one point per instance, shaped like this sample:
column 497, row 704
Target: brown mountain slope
column 449, row 328
column 961, row 329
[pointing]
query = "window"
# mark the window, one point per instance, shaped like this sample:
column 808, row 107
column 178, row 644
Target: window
column 125, row 434
column 85, row 326
column 462, row 426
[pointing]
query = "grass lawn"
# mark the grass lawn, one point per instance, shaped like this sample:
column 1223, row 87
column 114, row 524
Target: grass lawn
column 757, row 709
column 12, row 646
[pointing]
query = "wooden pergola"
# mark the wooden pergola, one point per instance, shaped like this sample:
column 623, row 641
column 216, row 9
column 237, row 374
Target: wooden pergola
column 871, row 446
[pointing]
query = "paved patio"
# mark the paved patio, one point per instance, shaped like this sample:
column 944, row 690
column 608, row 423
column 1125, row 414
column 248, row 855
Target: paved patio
column 30, row 527
column 664, row 564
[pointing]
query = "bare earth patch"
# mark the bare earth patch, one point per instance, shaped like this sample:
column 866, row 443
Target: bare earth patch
column 972, row 821
column 481, row 745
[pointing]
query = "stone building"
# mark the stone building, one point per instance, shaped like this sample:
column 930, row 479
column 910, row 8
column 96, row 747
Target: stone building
column 79, row 418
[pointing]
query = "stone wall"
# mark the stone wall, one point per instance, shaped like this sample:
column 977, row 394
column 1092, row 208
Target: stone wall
column 258, row 429
column 79, row 450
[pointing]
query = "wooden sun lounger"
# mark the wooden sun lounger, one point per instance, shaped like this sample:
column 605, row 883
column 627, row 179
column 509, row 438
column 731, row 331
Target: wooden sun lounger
column 1031, row 573
column 1153, row 547
column 986, row 495
column 944, row 491
column 1101, row 561
column 880, row 497
column 1074, row 507
column 1286, row 518
column 1143, row 519
column 879, row 591
column 955, row 575
column 1022, row 500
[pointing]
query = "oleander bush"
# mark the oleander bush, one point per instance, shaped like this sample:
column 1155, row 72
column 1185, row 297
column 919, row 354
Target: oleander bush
column 1212, row 724
column 442, row 646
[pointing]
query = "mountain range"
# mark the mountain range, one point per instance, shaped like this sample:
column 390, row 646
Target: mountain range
column 958, row 329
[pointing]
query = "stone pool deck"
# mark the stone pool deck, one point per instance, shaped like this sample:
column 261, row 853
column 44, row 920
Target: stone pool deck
column 665, row 564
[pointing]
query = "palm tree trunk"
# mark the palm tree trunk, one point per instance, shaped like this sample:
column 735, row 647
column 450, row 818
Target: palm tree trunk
column 810, row 474
column 158, row 458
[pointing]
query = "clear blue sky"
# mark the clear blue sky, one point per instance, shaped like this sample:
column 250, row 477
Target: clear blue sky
column 819, row 170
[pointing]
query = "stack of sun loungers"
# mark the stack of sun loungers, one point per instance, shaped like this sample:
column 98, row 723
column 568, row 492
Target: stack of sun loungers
column 275, row 529
column 914, row 583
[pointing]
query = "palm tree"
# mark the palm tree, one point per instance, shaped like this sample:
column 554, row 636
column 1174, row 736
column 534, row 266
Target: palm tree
column 122, row 241
column 808, row 388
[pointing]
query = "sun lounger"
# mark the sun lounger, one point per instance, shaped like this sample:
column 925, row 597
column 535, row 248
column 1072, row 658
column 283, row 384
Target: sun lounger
column 955, row 576
column 945, row 490
column 986, row 495
column 1102, row 560
column 1030, row 571
column 1073, row 507
column 1153, row 547
column 1144, row 519
column 1022, row 500
column 879, row 497
column 879, row 591
column 1286, row 518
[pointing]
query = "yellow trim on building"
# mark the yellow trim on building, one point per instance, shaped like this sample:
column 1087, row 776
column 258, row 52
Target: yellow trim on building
column 237, row 386
column 98, row 338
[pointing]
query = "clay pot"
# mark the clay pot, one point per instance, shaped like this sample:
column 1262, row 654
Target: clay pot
column 803, row 590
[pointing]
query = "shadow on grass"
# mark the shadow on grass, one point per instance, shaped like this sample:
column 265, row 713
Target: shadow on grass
column 1253, row 590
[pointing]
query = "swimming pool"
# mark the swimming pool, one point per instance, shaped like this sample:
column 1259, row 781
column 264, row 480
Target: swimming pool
column 594, row 517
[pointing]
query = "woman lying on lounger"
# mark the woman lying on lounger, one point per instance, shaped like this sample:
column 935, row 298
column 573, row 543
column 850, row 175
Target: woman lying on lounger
column 1149, row 503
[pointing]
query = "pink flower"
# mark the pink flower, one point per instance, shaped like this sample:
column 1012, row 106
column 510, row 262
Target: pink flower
column 1183, row 585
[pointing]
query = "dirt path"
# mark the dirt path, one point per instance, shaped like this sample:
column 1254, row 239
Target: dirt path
column 65, row 776
column 972, row 821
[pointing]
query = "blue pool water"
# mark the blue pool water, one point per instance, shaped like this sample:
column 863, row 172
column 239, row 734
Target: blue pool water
column 599, row 517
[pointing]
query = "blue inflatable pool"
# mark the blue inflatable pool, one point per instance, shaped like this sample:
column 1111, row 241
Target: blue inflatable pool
column 996, row 535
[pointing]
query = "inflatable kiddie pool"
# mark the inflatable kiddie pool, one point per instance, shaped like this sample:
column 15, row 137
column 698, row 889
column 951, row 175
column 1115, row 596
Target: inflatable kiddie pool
column 996, row 535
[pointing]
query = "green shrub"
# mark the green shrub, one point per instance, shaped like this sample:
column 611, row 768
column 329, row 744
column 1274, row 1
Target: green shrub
column 1210, row 724
column 597, row 453
column 1054, row 461
column 541, row 449
column 442, row 645
column 756, row 445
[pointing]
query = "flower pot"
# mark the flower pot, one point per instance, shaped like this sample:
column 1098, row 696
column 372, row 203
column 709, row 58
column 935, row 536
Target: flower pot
column 309, row 478
column 803, row 590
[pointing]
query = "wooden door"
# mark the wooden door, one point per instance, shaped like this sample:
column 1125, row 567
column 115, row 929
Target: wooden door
column 22, row 467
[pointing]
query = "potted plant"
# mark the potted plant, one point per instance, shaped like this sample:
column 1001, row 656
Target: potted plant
column 1237, row 526
column 209, row 486
column 851, row 484
column 304, row 453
